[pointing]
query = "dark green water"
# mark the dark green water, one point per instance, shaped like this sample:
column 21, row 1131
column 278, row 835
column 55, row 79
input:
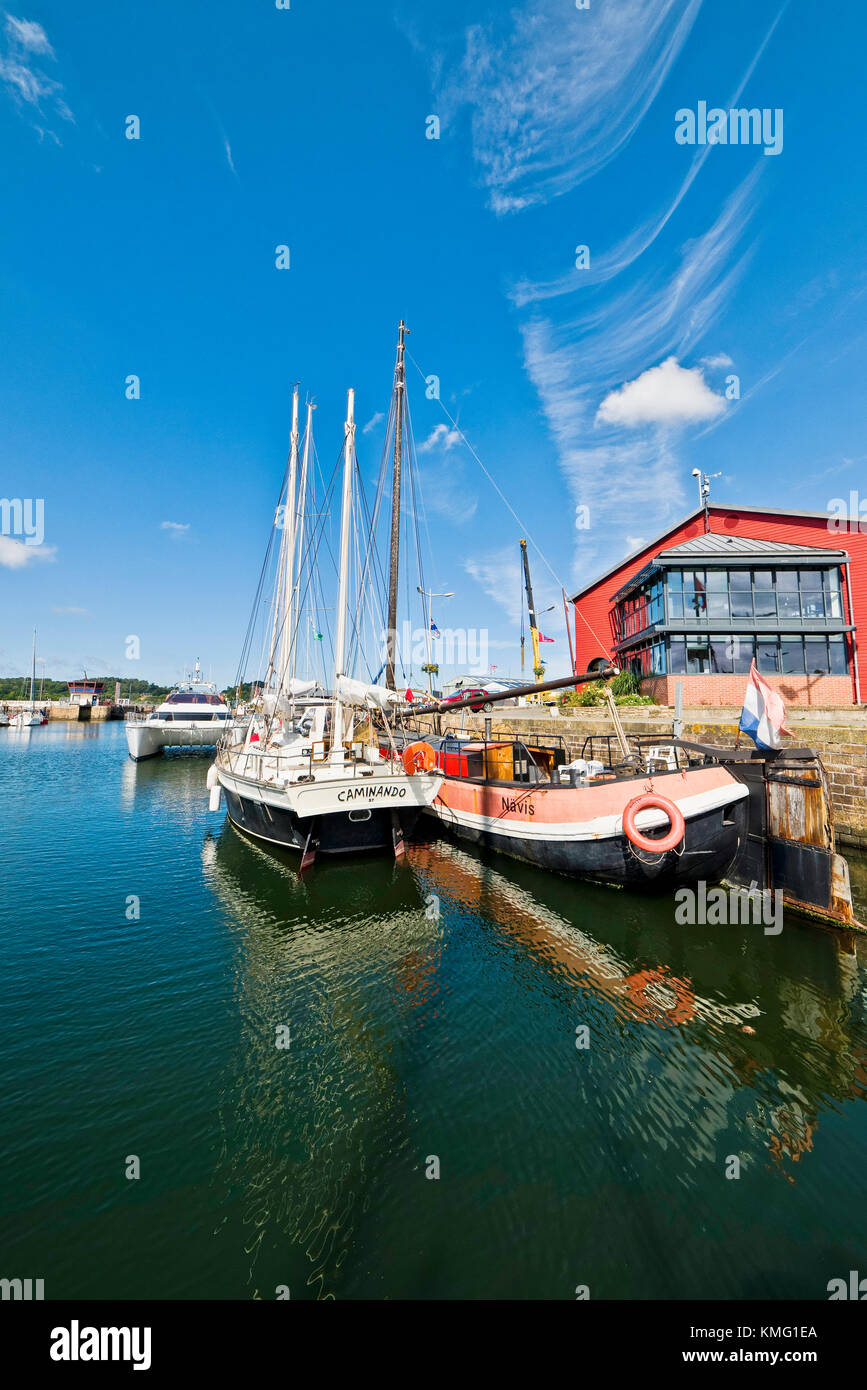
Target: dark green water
column 412, row 1035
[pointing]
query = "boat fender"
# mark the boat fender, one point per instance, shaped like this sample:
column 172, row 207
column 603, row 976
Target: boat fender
column 418, row 757
column 214, row 798
column 653, row 801
column 647, row 992
column 212, row 779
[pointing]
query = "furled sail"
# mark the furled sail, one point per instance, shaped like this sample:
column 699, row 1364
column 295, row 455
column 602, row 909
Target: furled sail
column 352, row 692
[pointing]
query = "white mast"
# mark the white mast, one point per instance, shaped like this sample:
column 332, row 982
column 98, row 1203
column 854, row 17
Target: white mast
column 33, row 674
column 343, row 590
column 299, row 531
column 279, row 617
column 288, row 555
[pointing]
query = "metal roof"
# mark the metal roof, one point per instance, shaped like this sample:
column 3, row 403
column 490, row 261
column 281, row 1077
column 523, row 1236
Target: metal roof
column 713, row 544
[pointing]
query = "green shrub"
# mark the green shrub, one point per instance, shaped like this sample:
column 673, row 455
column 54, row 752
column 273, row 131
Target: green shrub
column 626, row 683
column 594, row 694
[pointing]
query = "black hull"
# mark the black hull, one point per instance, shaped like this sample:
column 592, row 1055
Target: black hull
column 331, row 834
column 711, row 845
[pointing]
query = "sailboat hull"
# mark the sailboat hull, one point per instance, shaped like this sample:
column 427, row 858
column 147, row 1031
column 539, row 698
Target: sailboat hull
column 370, row 831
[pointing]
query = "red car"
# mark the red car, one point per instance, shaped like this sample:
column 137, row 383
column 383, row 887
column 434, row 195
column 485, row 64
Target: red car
column 479, row 694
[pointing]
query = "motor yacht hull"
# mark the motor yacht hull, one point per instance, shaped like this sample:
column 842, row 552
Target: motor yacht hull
column 147, row 740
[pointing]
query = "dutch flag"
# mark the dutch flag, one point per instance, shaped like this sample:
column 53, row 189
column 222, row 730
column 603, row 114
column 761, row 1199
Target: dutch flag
column 763, row 716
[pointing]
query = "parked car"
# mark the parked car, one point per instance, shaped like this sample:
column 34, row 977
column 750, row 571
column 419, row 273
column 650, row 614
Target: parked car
column 480, row 694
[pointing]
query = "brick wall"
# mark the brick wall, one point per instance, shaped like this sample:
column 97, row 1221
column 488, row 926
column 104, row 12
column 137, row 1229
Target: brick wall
column 801, row 691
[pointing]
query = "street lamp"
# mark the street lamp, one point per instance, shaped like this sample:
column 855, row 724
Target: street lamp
column 429, row 595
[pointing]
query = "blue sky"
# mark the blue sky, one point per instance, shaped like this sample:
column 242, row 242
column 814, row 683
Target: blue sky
column 601, row 387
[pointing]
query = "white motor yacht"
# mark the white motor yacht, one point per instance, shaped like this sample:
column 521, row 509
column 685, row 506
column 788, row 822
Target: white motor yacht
column 194, row 715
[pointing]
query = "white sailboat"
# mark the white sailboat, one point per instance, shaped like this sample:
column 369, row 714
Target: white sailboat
column 29, row 718
column 315, row 779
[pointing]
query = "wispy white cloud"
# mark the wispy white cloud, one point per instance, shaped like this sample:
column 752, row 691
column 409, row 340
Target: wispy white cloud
column 16, row 555
column 555, row 92
column 441, row 439
column 74, row 612
column 176, row 529
column 498, row 573
column 31, row 90
column 665, row 395
column 576, row 365
column 228, row 148
column 28, row 34
column 373, row 422
column 606, row 264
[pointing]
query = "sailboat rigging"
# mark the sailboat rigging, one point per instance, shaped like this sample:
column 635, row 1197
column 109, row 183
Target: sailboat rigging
column 327, row 772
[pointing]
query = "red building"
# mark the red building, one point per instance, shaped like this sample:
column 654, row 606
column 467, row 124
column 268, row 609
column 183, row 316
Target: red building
column 704, row 599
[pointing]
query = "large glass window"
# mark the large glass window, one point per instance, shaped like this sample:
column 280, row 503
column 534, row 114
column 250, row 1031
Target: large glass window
column 812, row 599
column 831, row 588
column 743, row 651
column 767, row 655
column 764, row 597
column 697, row 656
column 717, row 594
column 675, row 593
column 792, row 655
column 837, row 659
column 741, row 587
column 788, row 598
column 721, row 650
column 694, row 594
column 816, row 655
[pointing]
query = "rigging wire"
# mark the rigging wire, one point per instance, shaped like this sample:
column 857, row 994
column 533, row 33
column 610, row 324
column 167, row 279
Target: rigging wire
column 524, row 530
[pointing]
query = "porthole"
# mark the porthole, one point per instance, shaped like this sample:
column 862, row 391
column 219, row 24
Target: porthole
column 359, row 815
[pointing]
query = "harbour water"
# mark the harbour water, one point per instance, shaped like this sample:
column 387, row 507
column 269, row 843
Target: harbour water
column 151, row 960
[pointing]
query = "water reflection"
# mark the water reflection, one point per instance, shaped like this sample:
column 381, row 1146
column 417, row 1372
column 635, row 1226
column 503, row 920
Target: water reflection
column 330, row 958
column 433, row 1008
column 171, row 780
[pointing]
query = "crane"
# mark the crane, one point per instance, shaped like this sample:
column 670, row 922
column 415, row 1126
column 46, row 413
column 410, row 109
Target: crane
column 538, row 668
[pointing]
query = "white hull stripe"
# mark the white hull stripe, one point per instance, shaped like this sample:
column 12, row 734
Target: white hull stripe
column 338, row 796
column 603, row 828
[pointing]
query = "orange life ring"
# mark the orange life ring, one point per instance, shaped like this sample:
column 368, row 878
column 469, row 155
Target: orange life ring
column 681, row 1011
column 418, row 757
column 648, row 800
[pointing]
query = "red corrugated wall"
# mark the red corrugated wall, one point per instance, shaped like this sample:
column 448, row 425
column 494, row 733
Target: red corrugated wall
column 594, row 608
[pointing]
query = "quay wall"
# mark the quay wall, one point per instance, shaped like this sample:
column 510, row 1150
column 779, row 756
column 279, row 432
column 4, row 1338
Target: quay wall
column 839, row 736
column 59, row 709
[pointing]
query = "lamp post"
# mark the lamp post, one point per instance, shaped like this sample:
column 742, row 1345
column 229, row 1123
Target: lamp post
column 426, row 593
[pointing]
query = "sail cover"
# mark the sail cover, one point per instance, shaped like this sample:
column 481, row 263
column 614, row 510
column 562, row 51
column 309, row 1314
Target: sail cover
column 352, row 692
column 278, row 702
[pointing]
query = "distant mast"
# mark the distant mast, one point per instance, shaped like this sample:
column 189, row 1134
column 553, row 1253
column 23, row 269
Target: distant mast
column 33, row 674
column 399, row 399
